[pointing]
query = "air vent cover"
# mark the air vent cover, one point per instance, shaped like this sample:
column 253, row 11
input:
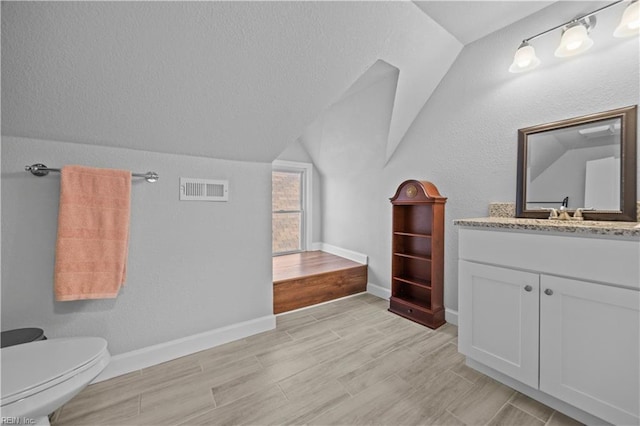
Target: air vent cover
column 203, row 190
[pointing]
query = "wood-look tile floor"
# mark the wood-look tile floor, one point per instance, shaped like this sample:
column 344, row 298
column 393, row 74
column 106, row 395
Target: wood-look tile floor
column 344, row 363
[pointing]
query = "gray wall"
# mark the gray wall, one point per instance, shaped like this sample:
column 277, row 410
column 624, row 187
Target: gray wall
column 192, row 266
column 348, row 143
column 465, row 138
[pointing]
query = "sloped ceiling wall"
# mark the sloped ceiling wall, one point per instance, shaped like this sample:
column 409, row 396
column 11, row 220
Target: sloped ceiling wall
column 233, row 80
column 350, row 138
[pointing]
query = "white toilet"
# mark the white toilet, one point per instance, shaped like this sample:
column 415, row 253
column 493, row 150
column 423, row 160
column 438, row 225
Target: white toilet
column 39, row 377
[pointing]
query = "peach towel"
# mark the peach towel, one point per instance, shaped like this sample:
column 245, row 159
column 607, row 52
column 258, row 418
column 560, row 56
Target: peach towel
column 93, row 233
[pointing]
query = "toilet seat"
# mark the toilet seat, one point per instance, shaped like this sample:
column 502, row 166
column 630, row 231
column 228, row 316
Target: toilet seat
column 47, row 363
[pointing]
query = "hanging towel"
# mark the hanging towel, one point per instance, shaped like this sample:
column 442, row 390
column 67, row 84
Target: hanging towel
column 93, row 233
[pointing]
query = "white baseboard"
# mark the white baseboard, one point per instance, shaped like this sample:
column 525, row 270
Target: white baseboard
column 163, row 352
column 451, row 316
column 316, row 246
column 338, row 251
column 381, row 292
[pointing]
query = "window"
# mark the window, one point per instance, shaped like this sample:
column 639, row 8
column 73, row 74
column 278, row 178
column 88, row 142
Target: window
column 290, row 207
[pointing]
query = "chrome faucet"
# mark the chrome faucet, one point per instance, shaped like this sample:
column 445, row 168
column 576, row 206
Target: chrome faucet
column 577, row 215
column 564, row 214
column 561, row 214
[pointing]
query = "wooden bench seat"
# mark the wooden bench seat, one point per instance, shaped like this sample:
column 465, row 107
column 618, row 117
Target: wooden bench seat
column 309, row 278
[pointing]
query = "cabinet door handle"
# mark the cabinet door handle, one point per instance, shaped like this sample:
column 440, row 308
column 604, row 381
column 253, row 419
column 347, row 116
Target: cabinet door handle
column 548, row 292
column 528, row 288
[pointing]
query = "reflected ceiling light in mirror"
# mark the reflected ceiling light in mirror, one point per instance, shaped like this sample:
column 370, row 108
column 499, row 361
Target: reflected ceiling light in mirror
column 525, row 59
column 575, row 35
column 599, row 131
column 575, row 39
column 630, row 22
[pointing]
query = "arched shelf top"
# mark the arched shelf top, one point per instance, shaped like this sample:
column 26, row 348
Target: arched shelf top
column 417, row 191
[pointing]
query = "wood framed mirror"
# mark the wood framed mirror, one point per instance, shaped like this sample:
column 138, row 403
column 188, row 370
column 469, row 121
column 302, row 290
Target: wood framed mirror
column 583, row 162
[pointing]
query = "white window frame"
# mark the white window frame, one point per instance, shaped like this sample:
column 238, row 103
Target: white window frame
column 306, row 233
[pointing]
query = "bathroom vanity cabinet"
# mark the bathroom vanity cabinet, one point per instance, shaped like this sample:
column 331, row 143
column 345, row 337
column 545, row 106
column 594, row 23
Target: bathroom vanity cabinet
column 556, row 316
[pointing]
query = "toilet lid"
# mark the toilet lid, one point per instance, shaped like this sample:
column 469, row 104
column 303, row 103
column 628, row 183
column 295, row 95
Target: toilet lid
column 35, row 364
column 20, row 336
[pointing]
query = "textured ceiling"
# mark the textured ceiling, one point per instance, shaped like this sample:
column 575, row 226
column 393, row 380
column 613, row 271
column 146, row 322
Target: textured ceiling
column 234, row 80
column 471, row 20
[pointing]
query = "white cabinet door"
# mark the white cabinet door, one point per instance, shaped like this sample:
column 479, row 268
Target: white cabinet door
column 498, row 319
column 589, row 347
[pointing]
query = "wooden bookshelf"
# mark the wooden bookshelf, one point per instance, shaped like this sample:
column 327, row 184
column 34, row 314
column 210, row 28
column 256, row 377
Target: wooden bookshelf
column 417, row 259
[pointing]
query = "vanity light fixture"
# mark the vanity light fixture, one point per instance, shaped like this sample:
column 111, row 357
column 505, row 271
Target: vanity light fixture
column 630, row 23
column 575, row 36
column 525, row 58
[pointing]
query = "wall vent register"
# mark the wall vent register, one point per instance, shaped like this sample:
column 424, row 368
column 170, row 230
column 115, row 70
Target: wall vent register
column 203, row 190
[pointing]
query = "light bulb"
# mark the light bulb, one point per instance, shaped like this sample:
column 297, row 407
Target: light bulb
column 630, row 22
column 525, row 59
column 575, row 40
column 574, row 45
column 524, row 62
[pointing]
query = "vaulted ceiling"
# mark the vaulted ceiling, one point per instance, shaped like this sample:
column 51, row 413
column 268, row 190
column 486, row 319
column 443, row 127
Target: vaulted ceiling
column 234, row 80
column 471, row 20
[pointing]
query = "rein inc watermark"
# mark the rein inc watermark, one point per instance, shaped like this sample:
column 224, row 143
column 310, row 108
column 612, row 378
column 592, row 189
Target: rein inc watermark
column 17, row 421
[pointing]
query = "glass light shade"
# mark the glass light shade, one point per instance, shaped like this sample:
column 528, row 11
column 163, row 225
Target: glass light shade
column 525, row 59
column 630, row 22
column 574, row 41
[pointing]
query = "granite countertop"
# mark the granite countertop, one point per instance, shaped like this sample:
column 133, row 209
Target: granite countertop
column 586, row 227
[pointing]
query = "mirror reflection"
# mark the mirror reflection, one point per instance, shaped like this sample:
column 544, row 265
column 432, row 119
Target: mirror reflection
column 575, row 167
column 586, row 163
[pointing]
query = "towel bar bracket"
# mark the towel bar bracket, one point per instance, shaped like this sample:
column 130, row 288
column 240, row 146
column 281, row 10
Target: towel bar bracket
column 37, row 169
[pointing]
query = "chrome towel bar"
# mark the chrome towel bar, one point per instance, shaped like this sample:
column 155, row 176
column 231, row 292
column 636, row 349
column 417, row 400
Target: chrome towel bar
column 42, row 170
